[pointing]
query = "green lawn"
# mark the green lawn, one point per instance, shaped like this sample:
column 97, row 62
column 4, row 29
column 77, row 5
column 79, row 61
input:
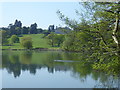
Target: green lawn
column 38, row 42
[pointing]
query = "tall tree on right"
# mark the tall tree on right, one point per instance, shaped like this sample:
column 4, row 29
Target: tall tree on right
column 115, row 10
column 97, row 35
column 106, row 19
column 102, row 22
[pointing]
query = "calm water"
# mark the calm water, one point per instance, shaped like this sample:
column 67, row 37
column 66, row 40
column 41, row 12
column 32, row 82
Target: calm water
column 45, row 69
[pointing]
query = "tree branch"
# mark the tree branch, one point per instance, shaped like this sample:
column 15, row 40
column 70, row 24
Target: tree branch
column 109, row 11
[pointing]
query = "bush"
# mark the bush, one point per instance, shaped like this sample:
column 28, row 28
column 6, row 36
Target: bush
column 14, row 39
column 26, row 42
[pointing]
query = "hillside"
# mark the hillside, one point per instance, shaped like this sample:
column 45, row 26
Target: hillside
column 38, row 42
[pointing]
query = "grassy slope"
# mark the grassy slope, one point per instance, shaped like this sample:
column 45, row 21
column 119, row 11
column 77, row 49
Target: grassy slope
column 38, row 42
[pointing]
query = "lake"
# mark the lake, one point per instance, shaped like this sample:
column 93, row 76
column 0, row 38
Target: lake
column 51, row 69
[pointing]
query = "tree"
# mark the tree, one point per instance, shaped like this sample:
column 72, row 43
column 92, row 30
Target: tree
column 98, row 34
column 25, row 30
column 17, row 23
column 115, row 10
column 106, row 18
column 12, row 29
column 67, row 44
column 59, row 38
column 15, row 28
column 6, row 30
column 33, row 28
column 3, row 37
column 18, row 31
column 51, row 40
column 26, row 42
column 14, row 39
column 102, row 19
column 55, row 39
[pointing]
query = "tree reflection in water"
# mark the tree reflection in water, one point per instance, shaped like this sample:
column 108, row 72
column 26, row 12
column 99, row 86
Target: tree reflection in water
column 17, row 61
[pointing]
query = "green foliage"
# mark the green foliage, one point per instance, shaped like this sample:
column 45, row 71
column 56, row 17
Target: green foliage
column 25, row 30
column 26, row 42
column 59, row 38
column 33, row 28
column 17, row 30
column 68, row 43
column 51, row 39
column 100, row 25
column 3, row 35
column 55, row 39
column 80, row 41
column 97, row 33
column 14, row 39
column 108, row 63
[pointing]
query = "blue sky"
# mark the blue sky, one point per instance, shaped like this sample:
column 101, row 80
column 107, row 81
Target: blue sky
column 43, row 13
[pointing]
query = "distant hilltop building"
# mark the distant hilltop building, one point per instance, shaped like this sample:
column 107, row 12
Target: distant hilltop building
column 58, row 30
column 62, row 30
column 51, row 28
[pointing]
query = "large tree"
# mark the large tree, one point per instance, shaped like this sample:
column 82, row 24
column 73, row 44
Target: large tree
column 101, row 20
column 15, row 28
column 33, row 28
column 98, row 34
column 26, row 42
column 106, row 18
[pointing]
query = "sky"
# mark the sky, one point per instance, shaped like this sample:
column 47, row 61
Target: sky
column 42, row 13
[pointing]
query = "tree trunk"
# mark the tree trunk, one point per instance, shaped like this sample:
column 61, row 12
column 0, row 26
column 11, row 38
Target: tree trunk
column 115, row 32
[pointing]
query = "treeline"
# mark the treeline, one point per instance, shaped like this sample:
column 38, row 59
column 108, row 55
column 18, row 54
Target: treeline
column 17, row 29
column 13, row 31
column 11, row 34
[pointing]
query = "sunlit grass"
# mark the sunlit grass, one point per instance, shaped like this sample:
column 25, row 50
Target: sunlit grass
column 38, row 42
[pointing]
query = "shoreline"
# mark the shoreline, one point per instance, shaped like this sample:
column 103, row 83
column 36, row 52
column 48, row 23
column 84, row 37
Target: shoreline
column 34, row 49
column 40, row 49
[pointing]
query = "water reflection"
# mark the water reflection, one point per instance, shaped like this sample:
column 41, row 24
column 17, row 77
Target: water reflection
column 17, row 61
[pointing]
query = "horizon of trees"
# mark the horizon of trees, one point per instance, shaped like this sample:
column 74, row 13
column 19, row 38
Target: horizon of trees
column 19, row 30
